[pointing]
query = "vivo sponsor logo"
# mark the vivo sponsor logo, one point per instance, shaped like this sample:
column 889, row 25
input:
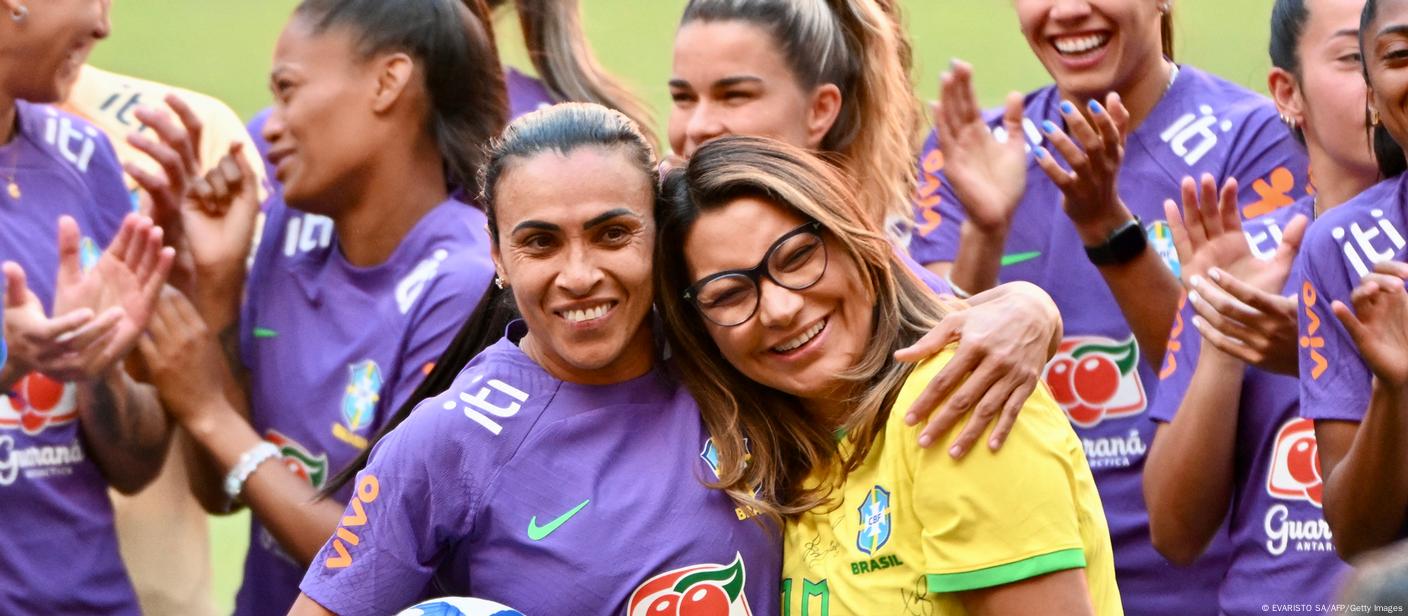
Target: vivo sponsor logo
column 1191, row 136
column 410, row 287
column 1309, row 535
column 38, row 461
column 1365, row 247
column 478, row 407
column 306, row 233
column 1114, row 451
column 76, row 146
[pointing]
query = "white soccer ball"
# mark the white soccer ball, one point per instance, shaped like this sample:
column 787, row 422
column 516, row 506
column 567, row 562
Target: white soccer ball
column 459, row 606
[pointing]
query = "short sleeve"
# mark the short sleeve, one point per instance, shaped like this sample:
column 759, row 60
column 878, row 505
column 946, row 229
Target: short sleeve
column 1180, row 361
column 1335, row 383
column 938, row 214
column 407, row 509
column 995, row 518
column 1268, row 164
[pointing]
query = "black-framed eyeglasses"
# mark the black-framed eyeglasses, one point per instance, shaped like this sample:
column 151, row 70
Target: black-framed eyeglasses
column 797, row 260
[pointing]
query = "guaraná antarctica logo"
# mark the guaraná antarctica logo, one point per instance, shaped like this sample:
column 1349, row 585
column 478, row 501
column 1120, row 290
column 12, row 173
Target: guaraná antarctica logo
column 696, row 590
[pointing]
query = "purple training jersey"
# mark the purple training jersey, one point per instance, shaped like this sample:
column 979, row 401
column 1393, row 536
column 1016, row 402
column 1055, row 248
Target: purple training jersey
column 550, row 497
column 333, row 349
column 1281, row 550
column 58, row 548
column 1202, row 124
column 1339, row 249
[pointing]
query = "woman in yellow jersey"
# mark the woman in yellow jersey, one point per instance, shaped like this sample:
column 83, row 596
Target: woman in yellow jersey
column 784, row 306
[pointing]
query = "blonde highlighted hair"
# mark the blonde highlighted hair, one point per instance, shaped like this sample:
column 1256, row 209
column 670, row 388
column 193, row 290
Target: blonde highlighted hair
column 860, row 47
column 786, row 442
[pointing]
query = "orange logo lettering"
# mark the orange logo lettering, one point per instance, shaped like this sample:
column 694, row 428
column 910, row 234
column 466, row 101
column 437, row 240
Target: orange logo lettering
column 1174, row 343
column 928, row 197
column 368, row 488
column 1275, row 194
column 1310, row 341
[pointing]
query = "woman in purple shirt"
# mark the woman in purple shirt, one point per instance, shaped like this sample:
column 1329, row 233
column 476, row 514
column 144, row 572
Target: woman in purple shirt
column 72, row 422
column 381, row 112
column 1255, row 466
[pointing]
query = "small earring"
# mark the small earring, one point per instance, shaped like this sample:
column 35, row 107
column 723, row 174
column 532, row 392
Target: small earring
column 1373, row 117
column 498, row 282
column 19, row 14
column 1163, row 7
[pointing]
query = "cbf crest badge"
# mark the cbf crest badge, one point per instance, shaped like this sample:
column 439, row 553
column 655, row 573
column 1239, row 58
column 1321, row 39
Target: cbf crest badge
column 359, row 402
column 874, row 513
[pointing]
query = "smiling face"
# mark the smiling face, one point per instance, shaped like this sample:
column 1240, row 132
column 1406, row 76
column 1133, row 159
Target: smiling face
column 797, row 342
column 1091, row 47
column 321, row 131
column 1386, row 59
column 576, row 235
column 54, row 40
column 730, row 78
column 1332, row 83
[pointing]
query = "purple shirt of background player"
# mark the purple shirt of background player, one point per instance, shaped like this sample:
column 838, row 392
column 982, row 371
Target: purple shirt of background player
column 1339, row 249
column 333, row 349
column 1281, row 550
column 58, row 547
column 1202, row 124
column 550, row 497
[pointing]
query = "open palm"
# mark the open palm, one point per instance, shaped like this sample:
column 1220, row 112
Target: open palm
column 988, row 175
column 1379, row 322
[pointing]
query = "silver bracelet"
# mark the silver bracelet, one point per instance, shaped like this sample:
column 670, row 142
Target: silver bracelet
column 249, row 461
column 957, row 292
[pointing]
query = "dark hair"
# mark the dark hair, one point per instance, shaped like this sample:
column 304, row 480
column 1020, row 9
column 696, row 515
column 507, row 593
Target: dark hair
column 561, row 128
column 1288, row 19
column 1387, row 152
column 453, row 44
column 1166, row 33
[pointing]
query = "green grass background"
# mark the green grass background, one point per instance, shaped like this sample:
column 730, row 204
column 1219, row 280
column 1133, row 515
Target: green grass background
column 223, row 48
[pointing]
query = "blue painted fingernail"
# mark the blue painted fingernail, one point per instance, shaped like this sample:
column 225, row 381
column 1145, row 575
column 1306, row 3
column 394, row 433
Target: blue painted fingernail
column 1067, row 107
column 1040, row 152
column 1048, row 127
column 1095, row 107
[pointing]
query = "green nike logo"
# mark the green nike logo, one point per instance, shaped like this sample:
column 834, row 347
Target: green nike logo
column 1020, row 257
column 264, row 332
column 538, row 533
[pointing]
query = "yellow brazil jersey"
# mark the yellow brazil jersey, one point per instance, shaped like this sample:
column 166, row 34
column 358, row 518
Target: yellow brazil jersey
column 912, row 526
column 110, row 100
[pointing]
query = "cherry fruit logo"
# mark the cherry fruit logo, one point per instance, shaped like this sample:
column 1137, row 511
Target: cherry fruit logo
column 37, row 402
column 1094, row 379
column 696, row 590
column 1295, row 464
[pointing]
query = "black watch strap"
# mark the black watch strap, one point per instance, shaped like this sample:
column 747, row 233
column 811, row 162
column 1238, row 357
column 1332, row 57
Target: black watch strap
column 1123, row 245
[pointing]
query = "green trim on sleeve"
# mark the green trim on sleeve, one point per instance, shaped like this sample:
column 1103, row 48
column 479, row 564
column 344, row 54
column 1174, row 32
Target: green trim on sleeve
column 1073, row 558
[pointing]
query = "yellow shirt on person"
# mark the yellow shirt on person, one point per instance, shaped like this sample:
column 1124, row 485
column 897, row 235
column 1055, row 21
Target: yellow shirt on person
column 911, row 527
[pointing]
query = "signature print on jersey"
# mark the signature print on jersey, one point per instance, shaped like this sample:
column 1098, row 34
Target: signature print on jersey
column 696, row 590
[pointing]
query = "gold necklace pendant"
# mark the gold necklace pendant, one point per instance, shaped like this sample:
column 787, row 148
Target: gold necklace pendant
column 14, row 190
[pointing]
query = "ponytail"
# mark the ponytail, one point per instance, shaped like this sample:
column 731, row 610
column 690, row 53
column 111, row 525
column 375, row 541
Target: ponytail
column 1166, row 32
column 860, row 47
column 484, row 326
column 552, row 32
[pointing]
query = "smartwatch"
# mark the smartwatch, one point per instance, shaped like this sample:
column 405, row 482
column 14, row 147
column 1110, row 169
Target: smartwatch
column 1123, row 245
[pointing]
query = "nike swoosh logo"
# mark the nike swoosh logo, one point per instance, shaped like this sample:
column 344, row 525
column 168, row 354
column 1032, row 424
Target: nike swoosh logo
column 538, row 533
column 1020, row 257
column 264, row 332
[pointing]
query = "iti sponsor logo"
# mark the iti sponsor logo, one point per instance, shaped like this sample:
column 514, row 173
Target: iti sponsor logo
column 1311, row 341
column 306, row 233
column 696, row 590
column 1161, row 240
column 1365, row 247
column 1095, row 378
column 874, row 513
column 507, row 400
column 297, row 458
column 1295, row 476
column 359, row 402
column 74, row 144
column 1264, row 237
column 410, row 287
column 1192, row 136
column 37, row 402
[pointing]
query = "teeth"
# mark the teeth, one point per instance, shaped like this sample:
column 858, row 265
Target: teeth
column 801, row 339
column 1080, row 44
column 577, row 316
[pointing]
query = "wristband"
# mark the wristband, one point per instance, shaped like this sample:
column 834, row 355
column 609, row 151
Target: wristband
column 957, row 292
column 249, row 461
